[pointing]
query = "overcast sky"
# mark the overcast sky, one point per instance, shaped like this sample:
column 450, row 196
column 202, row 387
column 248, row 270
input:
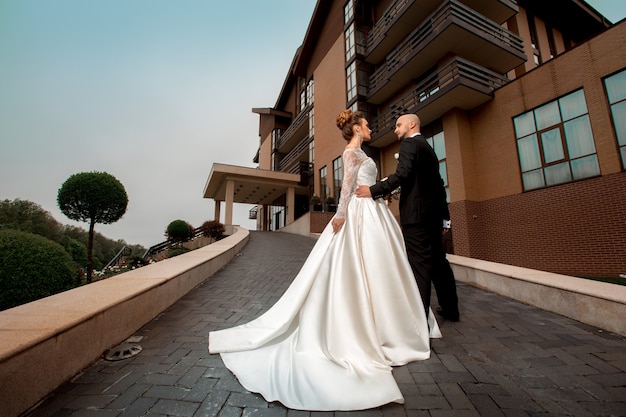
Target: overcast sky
column 152, row 92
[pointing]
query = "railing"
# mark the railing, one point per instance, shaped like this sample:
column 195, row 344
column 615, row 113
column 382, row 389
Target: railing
column 295, row 153
column 434, row 84
column 169, row 242
column 382, row 26
column 444, row 15
column 294, row 126
column 125, row 251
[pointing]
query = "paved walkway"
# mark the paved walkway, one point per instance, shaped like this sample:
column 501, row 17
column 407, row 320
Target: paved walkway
column 502, row 359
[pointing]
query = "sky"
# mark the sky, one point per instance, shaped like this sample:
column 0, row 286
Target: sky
column 152, row 92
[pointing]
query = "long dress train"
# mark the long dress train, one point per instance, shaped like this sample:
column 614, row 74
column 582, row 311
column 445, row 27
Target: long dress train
column 352, row 313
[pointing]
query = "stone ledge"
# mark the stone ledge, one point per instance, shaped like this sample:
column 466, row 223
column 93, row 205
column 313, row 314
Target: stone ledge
column 46, row 342
column 598, row 304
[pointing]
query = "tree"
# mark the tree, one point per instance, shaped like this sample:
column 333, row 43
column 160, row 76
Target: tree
column 93, row 197
column 29, row 217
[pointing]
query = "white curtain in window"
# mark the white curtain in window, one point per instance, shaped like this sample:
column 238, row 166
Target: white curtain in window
column 529, row 153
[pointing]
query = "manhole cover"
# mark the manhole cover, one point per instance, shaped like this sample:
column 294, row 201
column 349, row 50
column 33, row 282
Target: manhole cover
column 123, row 351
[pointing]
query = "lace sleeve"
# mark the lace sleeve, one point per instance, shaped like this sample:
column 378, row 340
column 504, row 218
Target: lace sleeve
column 351, row 164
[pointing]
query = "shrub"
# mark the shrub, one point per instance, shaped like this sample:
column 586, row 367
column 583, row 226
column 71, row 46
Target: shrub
column 32, row 267
column 213, row 229
column 179, row 231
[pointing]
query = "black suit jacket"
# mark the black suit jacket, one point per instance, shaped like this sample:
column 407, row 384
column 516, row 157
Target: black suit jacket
column 423, row 196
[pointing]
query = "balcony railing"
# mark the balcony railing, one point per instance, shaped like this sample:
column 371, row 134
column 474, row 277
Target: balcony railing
column 454, row 28
column 294, row 127
column 294, row 156
column 459, row 83
column 402, row 13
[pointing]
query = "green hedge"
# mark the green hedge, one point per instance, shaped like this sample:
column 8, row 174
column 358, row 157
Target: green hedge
column 32, row 267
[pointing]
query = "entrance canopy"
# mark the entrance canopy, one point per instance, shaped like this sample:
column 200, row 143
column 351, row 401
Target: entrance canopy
column 236, row 184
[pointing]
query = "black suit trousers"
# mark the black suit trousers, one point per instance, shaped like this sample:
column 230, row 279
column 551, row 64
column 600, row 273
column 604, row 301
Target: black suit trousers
column 427, row 257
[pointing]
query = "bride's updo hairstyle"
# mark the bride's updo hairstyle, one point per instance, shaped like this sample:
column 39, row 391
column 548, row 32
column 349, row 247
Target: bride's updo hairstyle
column 346, row 121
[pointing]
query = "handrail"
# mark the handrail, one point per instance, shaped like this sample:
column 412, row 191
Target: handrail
column 302, row 146
column 297, row 122
column 125, row 251
column 383, row 24
column 166, row 244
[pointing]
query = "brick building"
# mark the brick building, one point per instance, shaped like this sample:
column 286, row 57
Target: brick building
column 524, row 103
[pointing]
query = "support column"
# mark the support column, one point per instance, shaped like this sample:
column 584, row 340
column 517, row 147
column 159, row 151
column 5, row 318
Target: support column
column 291, row 204
column 218, row 206
column 230, row 196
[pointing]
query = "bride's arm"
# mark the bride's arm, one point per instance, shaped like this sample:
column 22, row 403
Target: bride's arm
column 351, row 163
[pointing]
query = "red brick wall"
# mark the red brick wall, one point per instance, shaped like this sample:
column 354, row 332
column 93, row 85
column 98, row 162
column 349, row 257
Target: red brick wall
column 574, row 229
column 319, row 220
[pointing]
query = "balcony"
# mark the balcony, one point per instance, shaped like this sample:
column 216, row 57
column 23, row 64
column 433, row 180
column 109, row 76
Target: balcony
column 291, row 162
column 296, row 131
column 401, row 17
column 452, row 29
column 459, row 83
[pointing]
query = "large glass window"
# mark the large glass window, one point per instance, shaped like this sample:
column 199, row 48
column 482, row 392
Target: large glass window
column 438, row 143
column 350, row 43
column 275, row 146
column 351, row 81
column 310, row 92
column 555, row 144
column 311, row 123
column 616, row 93
column 323, row 183
column 348, row 12
column 337, row 178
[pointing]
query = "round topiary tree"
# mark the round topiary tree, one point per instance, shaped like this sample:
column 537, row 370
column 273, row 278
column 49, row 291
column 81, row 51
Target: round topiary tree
column 94, row 197
column 32, row 267
column 179, row 231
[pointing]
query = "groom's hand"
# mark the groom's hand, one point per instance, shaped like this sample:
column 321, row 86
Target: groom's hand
column 363, row 191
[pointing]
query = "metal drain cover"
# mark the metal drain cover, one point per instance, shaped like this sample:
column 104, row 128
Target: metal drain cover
column 123, row 351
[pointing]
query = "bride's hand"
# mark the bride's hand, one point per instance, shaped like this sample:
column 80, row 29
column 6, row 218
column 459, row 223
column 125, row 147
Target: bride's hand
column 338, row 224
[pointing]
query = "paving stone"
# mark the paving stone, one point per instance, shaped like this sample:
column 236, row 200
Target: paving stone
column 503, row 358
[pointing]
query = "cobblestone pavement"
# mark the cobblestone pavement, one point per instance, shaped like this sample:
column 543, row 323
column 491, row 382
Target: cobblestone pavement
column 503, row 358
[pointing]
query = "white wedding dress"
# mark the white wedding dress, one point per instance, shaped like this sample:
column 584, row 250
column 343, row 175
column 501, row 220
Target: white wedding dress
column 352, row 313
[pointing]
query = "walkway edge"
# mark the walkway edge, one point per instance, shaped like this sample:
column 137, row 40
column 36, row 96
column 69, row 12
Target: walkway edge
column 46, row 342
column 598, row 304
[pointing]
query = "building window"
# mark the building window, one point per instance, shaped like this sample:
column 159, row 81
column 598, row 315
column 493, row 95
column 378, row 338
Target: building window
column 351, row 81
column 311, row 123
column 324, row 191
column 616, row 92
column 348, row 12
column 433, row 133
column 310, row 92
column 311, row 151
column 306, row 93
column 438, row 143
column 350, row 43
column 534, row 40
column 337, row 177
column 555, row 143
column 275, row 145
column 551, row 42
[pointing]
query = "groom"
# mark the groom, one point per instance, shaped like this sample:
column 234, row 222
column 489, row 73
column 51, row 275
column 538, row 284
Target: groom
column 423, row 210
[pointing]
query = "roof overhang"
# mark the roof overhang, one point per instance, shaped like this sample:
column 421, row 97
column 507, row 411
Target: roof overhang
column 251, row 185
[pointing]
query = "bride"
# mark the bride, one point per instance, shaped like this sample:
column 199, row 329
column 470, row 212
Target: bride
column 351, row 314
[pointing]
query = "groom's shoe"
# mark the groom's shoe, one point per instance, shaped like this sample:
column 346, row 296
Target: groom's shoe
column 448, row 316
